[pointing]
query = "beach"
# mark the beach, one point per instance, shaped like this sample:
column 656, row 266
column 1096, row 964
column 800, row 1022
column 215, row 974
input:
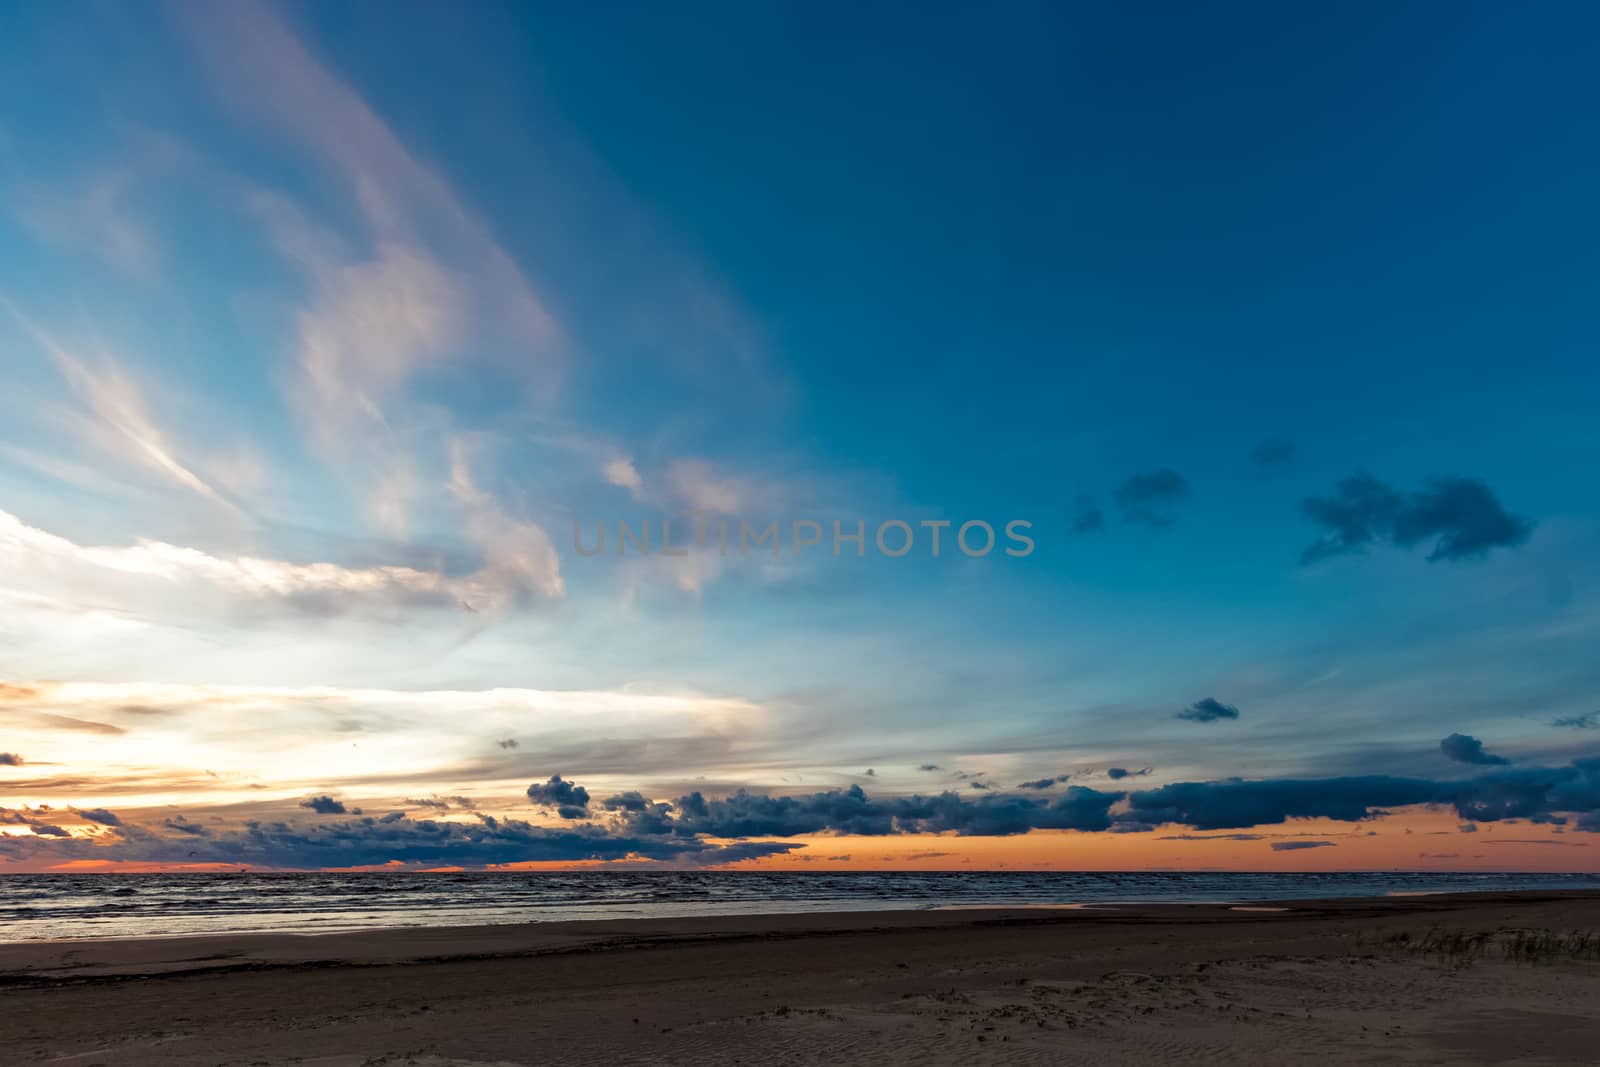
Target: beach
column 1423, row 979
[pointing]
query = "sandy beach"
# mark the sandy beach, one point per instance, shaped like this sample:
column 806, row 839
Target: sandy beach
column 1398, row 980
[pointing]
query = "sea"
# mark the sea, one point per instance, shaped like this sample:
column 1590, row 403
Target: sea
column 60, row 906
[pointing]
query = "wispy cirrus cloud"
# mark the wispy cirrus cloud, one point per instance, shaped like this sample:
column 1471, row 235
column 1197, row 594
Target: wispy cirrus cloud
column 267, row 73
column 411, row 282
column 92, row 213
column 518, row 554
column 117, row 420
column 144, row 575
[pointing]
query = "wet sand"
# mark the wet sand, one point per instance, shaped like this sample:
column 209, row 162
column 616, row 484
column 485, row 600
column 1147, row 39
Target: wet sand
column 1334, row 981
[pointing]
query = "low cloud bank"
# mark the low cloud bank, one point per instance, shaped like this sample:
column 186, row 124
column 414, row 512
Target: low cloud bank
column 696, row 829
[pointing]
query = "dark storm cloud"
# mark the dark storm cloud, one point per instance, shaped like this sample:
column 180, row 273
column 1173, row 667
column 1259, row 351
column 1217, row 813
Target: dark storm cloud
column 1463, row 748
column 1273, row 454
column 1290, row 846
column 442, row 803
column 1535, row 793
column 369, row 841
column 747, row 814
column 852, row 811
column 1208, row 709
column 570, row 801
column 34, row 820
column 323, row 805
column 10, row 759
column 1087, row 516
column 1237, row 804
column 1213, row 837
column 1150, row 498
column 1460, row 516
column 629, row 801
column 640, row 828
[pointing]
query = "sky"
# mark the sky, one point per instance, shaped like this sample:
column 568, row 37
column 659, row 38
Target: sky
column 1239, row 361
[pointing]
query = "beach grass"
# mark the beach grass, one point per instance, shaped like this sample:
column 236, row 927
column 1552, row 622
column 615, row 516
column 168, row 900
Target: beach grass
column 1455, row 946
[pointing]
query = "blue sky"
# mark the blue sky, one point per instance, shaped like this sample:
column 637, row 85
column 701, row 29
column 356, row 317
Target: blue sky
column 322, row 324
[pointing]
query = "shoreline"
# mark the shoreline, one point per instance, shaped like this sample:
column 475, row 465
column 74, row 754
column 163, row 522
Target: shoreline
column 67, row 959
column 1367, row 979
column 90, row 922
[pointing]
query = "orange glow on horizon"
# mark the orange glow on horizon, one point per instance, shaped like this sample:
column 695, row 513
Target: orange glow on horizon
column 1412, row 840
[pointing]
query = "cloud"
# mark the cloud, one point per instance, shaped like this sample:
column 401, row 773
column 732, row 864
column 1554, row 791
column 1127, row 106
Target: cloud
column 10, row 759
column 1460, row 516
column 519, row 558
column 570, row 801
column 442, row 803
column 1289, row 846
column 1150, row 498
column 507, row 743
column 1273, row 454
column 1467, row 749
column 1589, row 721
column 1087, row 516
column 118, row 421
column 930, row 767
column 371, row 841
column 693, row 828
column 409, row 740
column 1535, row 793
column 852, row 811
column 263, row 69
column 1116, row 774
column 1044, row 783
column 1208, row 710
column 371, row 326
column 1237, row 804
column 101, row 816
column 697, row 485
column 324, row 805
column 410, row 286
column 93, row 214
column 1212, row 837
column 632, row 800
column 151, row 570
column 622, row 473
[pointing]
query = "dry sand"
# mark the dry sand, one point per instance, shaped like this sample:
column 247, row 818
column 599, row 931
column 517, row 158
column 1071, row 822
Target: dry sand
column 1326, row 982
